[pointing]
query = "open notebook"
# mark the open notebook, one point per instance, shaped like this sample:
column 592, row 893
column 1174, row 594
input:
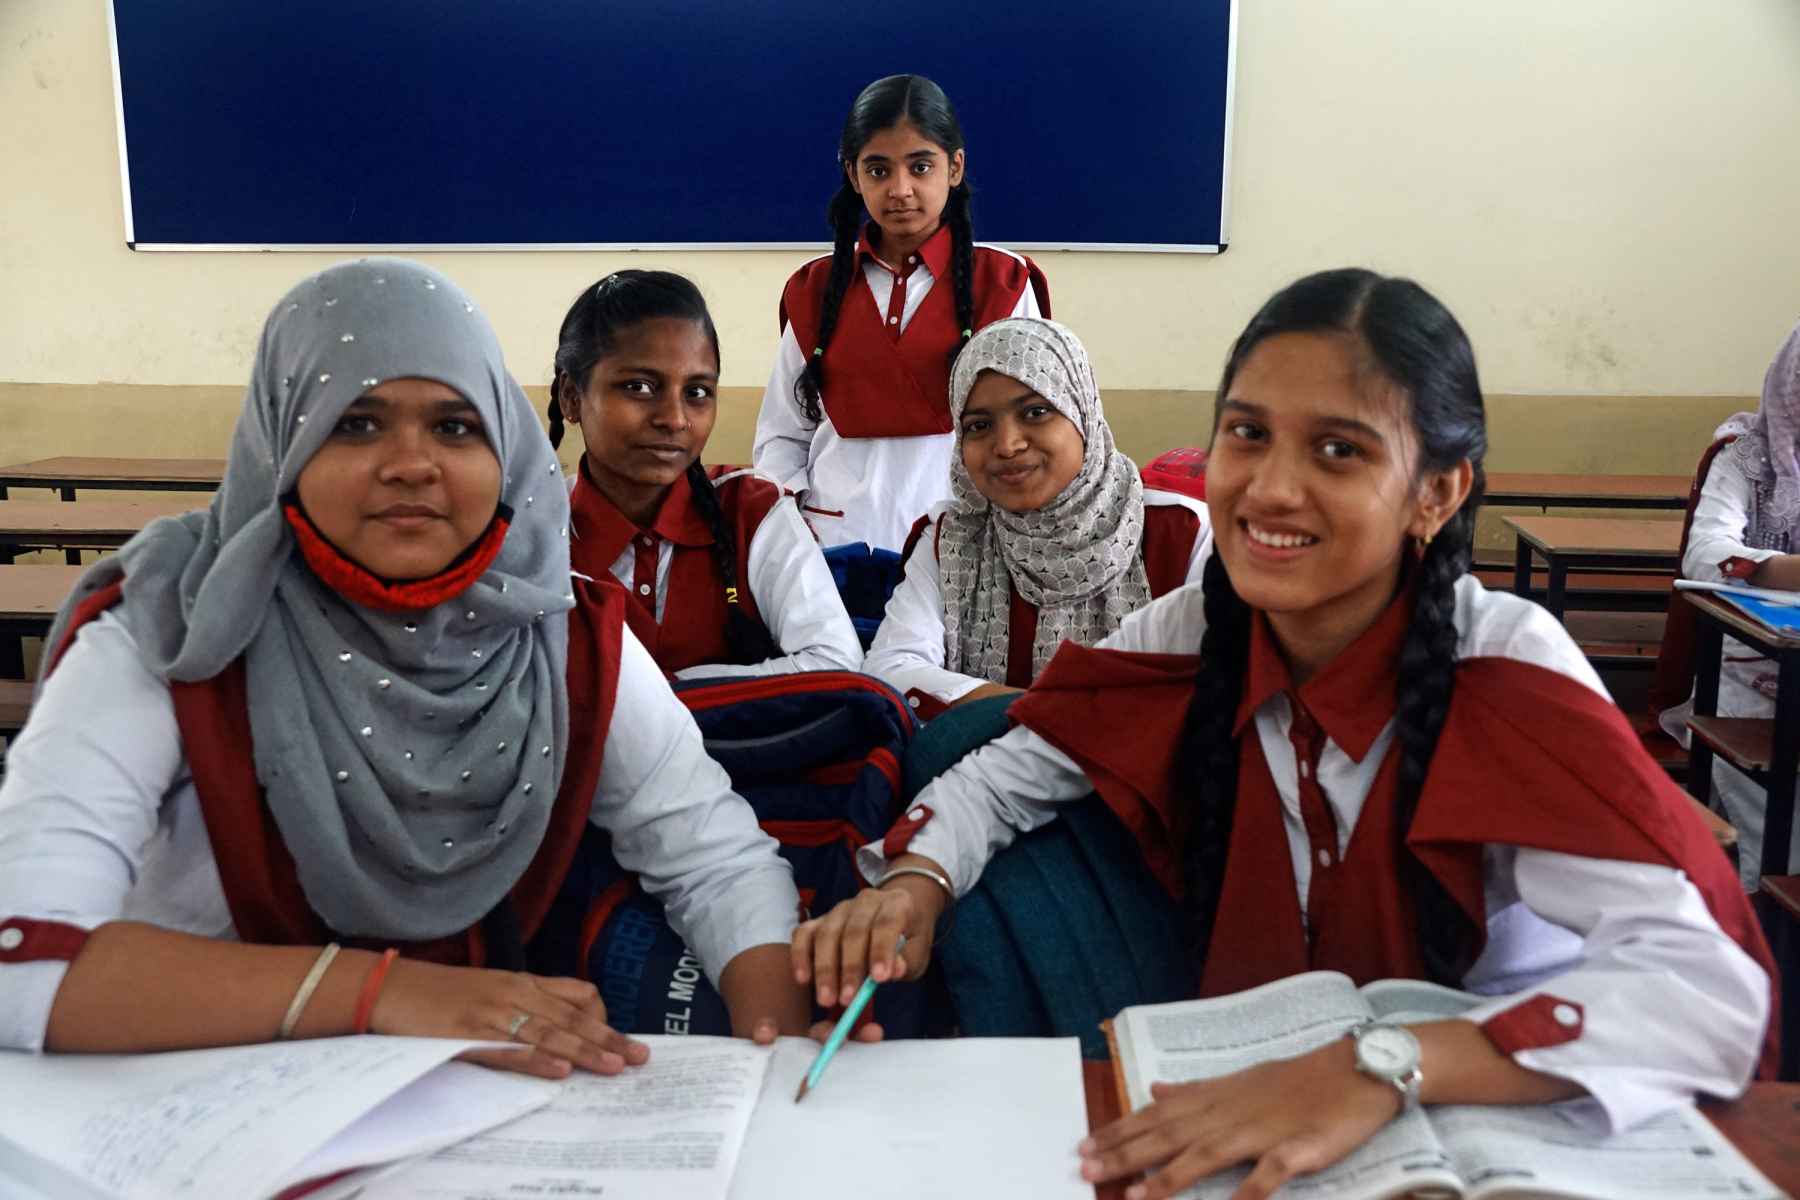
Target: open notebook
column 1479, row 1152
column 707, row 1118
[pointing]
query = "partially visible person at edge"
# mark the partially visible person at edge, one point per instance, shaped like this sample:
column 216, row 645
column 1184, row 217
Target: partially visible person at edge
column 854, row 420
column 1373, row 765
column 1049, row 534
column 722, row 575
column 358, row 703
column 1747, row 528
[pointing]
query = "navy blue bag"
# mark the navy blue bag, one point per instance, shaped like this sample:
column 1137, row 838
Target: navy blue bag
column 865, row 579
column 817, row 755
column 1066, row 926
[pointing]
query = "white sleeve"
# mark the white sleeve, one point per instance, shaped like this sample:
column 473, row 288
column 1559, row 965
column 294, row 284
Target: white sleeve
column 1721, row 519
column 908, row 653
column 1027, row 305
column 693, row 842
column 784, row 436
column 80, row 803
column 798, row 601
column 1669, row 1004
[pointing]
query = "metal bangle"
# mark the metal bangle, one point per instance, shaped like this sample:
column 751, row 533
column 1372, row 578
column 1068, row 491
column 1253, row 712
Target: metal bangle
column 308, row 986
column 948, row 921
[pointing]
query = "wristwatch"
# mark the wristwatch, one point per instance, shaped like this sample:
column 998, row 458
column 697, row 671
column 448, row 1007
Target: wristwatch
column 1389, row 1053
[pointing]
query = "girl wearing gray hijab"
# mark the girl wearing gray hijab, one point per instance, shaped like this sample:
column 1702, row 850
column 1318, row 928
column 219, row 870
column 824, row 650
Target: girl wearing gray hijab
column 1049, row 534
column 359, row 708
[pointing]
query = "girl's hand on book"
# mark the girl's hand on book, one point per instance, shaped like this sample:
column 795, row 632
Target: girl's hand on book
column 1286, row 1118
column 564, row 1022
column 858, row 937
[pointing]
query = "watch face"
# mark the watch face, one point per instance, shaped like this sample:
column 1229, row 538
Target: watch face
column 1387, row 1050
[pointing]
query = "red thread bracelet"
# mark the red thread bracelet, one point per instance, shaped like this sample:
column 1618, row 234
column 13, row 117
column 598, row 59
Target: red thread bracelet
column 371, row 988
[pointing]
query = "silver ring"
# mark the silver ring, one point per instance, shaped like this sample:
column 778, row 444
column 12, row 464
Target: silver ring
column 518, row 1023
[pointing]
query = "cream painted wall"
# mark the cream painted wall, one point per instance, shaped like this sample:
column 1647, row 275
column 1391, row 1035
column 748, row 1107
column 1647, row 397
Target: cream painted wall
column 1606, row 191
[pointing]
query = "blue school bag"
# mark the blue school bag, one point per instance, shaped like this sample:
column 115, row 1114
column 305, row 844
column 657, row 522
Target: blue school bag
column 817, row 755
column 865, row 579
column 1065, row 927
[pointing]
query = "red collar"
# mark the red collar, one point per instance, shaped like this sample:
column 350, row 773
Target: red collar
column 358, row 584
column 935, row 253
column 1352, row 696
column 602, row 532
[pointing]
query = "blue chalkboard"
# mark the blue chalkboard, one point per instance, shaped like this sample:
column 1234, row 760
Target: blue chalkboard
column 352, row 123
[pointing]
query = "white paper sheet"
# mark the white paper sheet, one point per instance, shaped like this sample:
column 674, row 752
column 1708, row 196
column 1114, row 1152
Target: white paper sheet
column 669, row 1130
column 997, row 1118
column 200, row 1123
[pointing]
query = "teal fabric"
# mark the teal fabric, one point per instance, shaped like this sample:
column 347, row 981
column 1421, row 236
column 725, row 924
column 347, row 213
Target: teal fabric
column 1066, row 926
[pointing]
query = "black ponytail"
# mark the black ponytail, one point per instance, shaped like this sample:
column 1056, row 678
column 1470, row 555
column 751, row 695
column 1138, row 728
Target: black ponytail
column 883, row 105
column 746, row 639
column 1415, row 343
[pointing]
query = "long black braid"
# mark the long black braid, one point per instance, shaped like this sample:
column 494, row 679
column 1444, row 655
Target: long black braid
column 1414, row 342
column 883, row 105
column 588, row 333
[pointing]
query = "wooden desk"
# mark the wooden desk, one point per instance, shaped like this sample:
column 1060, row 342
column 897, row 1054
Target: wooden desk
column 1779, row 760
column 1507, row 488
column 65, row 475
column 29, row 598
column 1764, row 1125
column 1573, row 542
column 90, row 525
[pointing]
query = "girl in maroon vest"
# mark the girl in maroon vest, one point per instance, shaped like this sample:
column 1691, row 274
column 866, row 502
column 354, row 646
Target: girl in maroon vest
column 855, row 420
column 723, row 576
column 357, row 708
column 1374, row 766
column 1050, row 534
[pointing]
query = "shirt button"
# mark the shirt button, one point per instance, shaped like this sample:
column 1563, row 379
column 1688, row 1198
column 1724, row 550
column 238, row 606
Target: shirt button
column 643, row 589
column 647, row 540
column 1566, row 1015
column 912, row 258
column 1324, row 858
column 917, row 814
column 11, row 939
column 913, row 700
column 893, row 320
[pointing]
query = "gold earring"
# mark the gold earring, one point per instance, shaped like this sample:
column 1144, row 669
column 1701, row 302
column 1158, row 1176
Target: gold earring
column 1424, row 543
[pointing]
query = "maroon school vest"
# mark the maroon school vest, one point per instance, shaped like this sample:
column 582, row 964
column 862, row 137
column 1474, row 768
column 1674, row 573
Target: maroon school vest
column 261, row 884
column 695, row 613
column 1527, row 757
column 888, row 382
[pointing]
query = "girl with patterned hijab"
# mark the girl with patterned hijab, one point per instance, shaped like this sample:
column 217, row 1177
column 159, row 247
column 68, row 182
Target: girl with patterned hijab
column 1747, row 527
column 1049, row 534
column 355, row 709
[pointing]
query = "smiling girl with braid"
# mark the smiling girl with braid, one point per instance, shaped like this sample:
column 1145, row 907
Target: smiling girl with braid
column 723, row 576
column 1374, row 766
column 856, row 417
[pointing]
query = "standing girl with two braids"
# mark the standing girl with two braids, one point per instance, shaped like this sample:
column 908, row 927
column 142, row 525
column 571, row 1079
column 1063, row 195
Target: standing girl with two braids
column 1373, row 766
column 856, row 417
column 722, row 574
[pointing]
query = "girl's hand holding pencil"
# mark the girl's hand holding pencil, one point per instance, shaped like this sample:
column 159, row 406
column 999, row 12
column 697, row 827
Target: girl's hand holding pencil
column 862, row 936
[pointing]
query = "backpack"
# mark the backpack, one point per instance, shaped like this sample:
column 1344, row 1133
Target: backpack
column 817, row 756
column 865, row 578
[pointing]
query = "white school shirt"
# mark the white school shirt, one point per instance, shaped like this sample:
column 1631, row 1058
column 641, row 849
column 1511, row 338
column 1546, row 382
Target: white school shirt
column 1746, row 677
column 795, row 597
column 908, row 653
column 1673, row 1005
column 856, row 489
column 100, row 821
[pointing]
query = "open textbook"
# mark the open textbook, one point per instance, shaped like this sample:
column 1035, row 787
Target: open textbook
column 1478, row 1152
column 706, row 1119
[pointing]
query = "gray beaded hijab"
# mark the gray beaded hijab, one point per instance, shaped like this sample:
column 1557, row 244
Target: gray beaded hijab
column 410, row 759
column 1078, row 559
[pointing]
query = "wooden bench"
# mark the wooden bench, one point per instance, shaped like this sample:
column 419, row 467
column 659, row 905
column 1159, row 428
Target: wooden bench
column 15, row 703
column 90, row 525
column 1513, row 489
column 1571, row 543
column 66, row 475
column 29, row 598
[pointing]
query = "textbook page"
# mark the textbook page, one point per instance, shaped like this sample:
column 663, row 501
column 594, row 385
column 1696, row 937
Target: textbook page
column 669, row 1130
column 234, row 1121
column 1204, row 1039
column 1533, row 1151
column 997, row 1118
